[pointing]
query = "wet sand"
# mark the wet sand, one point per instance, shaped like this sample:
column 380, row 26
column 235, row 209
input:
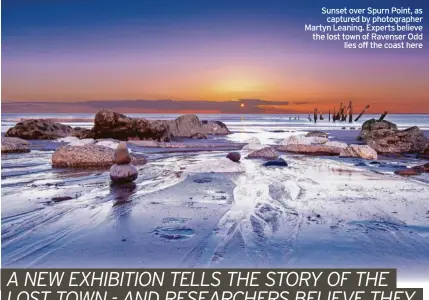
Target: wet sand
column 317, row 212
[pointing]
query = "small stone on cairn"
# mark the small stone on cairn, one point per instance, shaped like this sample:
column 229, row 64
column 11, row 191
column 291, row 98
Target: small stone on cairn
column 123, row 171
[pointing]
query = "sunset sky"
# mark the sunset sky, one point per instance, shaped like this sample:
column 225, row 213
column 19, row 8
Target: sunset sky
column 87, row 50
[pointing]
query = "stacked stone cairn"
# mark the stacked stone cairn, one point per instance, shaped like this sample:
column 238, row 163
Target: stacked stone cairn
column 123, row 171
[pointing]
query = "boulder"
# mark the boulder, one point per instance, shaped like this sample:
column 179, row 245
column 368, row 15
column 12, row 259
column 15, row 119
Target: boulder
column 373, row 124
column 317, row 134
column 109, row 124
column 14, row 145
column 190, row 126
column 336, row 144
column 423, row 168
column 407, row 172
column 82, row 133
column 411, row 140
column 362, row 151
column 266, row 153
column 123, row 173
column 122, row 156
column 214, row 128
column 39, row 129
column 280, row 162
column 417, row 170
column 303, row 140
column 88, row 156
column 311, row 149
column 199, row 136
column 234, row 156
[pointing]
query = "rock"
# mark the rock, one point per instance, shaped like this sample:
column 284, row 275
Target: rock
column 82, row 142
column 82, row 133
column 373, row 124
column 422, row 169
column 122, row 156
column 88, row 156
column 407, row 172
column 60, row 199
column 317, row 134
column 199, row 136
column 39, row 129
column 266, row 153
column 253, row 146
column 14, row 145
column 234, row 156
column 109, row 124
column 311, row 149
column 336, row 144
column 425, row 152
column 214, row 128
column 303, row 140
column 363, row 151
column 411, row 140
column 252, row 140
column 280, row 162
column 123, row 173
column 188, row 126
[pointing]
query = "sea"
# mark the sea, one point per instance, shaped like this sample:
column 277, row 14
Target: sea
column 237, row 122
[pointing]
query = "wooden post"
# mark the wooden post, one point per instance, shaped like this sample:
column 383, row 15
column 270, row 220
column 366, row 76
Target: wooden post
column 309, row 117
column 329, row 116
column 383, row 116
column 334, row 116
column 315, row 115
column 361, row 114
column 344, row 113
column 350, row 112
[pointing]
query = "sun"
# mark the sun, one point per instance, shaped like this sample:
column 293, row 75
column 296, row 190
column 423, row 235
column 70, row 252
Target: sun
column 242, row 104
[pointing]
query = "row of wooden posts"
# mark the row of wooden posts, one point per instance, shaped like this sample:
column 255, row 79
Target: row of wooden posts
column 342, row 115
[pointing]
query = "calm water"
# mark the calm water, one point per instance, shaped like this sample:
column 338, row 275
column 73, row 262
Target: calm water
column 239, row 122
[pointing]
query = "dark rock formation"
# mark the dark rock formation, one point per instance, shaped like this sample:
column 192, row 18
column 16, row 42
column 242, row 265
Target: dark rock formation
column 317, row 133
column 234, row 156
column 266, row 153
column 88, row 156
column 374, row 124
column 14, row 145
column 109, row 124
column 190, row 126
column 411, row 140
column 314, row 149
column 39, row 129
column 82, row 133
column 417, row 170
column 276, row 163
